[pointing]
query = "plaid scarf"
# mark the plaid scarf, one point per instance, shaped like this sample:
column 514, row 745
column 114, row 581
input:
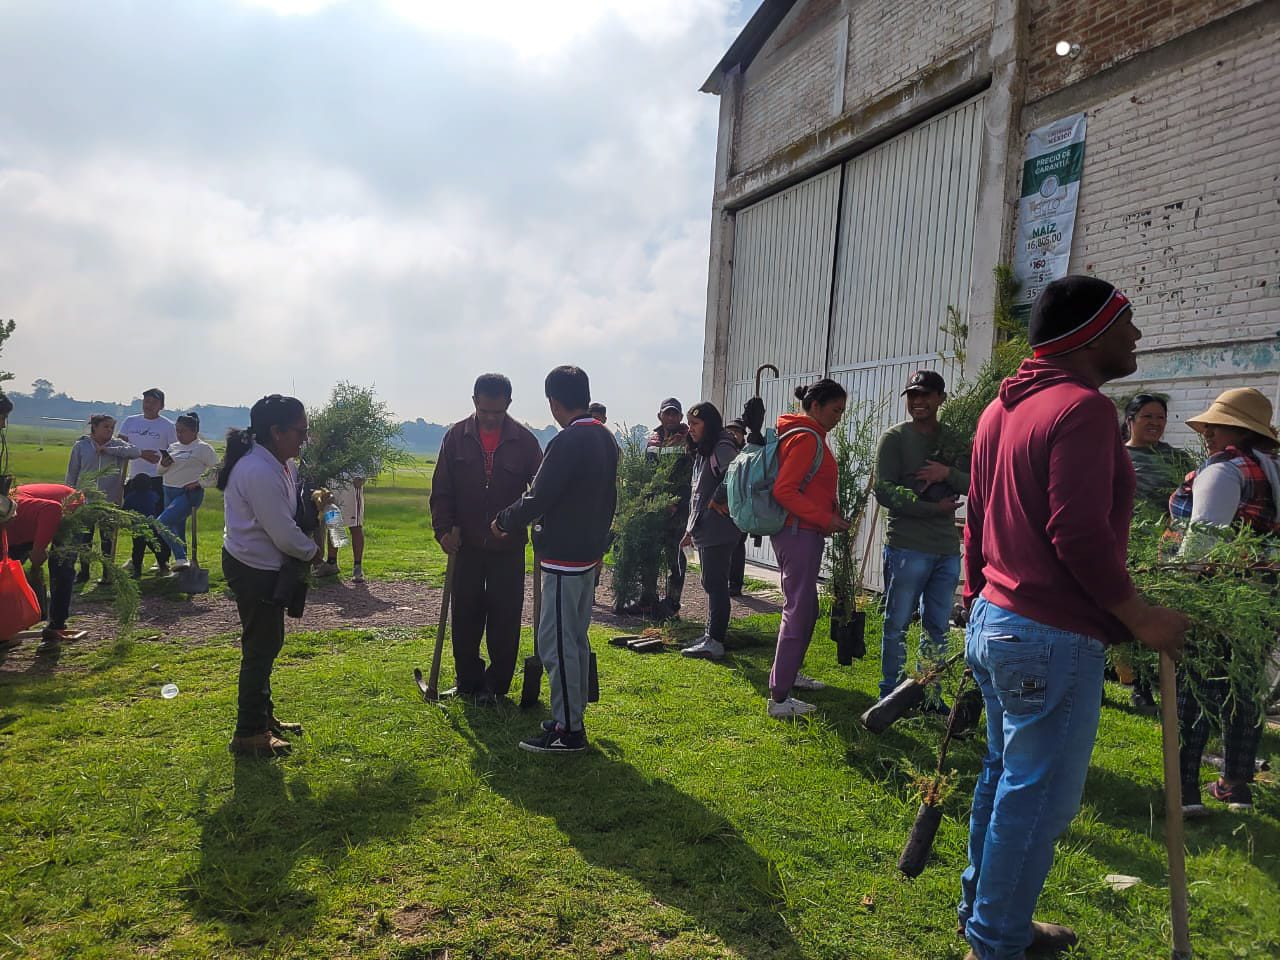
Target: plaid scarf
column 1257, row 507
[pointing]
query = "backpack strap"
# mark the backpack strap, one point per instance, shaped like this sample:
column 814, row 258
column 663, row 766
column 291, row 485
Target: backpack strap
column 817, row 454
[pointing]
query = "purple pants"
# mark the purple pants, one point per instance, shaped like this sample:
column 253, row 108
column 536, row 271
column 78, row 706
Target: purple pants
column 799, row 554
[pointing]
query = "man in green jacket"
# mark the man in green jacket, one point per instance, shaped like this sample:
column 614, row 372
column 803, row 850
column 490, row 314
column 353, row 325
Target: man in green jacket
column 921, row 472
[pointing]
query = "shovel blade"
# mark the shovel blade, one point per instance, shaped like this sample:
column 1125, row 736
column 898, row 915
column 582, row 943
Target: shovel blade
column 193, row 580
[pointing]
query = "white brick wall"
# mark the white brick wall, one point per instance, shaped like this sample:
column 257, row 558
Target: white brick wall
column 789, row 93
column 1180, row 202
column 1190, row 397
column 889, row 43
column 785, row 99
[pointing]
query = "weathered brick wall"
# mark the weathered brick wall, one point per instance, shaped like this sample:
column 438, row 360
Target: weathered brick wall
column 891, row 43
column 790, row 90
column 786, row 96
column 1108, row 32
column 1180, row 206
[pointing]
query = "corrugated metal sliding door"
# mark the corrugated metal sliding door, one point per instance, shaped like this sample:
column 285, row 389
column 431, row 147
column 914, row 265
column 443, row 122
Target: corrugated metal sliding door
column 783, row 254
column 903, row 256
column 897, row 240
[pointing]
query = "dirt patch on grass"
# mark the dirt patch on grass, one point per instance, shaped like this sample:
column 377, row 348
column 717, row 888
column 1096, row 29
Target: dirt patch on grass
column 337, row 605
column 408, row 922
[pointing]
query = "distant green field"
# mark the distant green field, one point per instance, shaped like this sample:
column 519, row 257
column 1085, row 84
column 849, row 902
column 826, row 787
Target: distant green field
column 400, row 545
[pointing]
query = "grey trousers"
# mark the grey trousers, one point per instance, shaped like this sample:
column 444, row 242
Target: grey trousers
column 563, row 647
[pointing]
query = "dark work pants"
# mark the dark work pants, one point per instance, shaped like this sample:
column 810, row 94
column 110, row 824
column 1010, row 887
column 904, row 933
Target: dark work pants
column 676, row 564
column 56, row 606
column 715, row 562
column 488, row 599
column 261, row 637
column 105, row 538
column 1240, row 722
column 140, row 544
column 738, row 566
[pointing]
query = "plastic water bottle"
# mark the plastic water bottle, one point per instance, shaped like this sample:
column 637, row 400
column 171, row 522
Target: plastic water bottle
column 169, row 691
column 337, row 529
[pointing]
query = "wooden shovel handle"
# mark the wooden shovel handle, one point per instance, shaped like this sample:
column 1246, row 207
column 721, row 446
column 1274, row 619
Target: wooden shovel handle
column 432, row 689
column 1173, row 811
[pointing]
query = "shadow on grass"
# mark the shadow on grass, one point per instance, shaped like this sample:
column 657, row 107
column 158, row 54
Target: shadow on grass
column 250, row 845
column 686, row 855
column 1126, row 805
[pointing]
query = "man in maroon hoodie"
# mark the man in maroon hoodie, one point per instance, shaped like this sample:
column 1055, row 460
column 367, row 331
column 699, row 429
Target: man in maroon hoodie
column 486, row 461
column 1046, row 540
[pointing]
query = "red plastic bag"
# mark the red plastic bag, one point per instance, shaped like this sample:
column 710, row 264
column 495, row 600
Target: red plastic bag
column 19, row 608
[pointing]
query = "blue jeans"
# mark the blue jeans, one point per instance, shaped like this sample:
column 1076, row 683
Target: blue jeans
column 179, row 503
column 915, row 580
column 1043, row 693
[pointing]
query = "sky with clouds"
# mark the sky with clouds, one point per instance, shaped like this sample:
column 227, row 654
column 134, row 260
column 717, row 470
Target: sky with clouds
column 228, row 198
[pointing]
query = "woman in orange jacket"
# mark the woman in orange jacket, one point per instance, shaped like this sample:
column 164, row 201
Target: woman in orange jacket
column 806, row 488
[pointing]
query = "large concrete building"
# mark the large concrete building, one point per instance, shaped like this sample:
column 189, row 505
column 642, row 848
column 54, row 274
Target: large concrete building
column 869, row 162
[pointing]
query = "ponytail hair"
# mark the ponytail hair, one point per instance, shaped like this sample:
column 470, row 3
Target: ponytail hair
column 191, row 420
column 820, row 393
column 273, row 411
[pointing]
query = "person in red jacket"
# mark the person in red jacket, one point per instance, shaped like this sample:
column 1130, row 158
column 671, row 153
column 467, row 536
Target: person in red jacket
column 806, row 488
column 32, row 535
column 1048, row 589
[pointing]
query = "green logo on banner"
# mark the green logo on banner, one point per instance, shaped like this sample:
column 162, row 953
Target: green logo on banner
column 1053, row 169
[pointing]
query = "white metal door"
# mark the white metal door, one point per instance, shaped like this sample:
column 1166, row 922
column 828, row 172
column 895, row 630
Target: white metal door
column 783, row 254
column 897, row 240
column 903, row 256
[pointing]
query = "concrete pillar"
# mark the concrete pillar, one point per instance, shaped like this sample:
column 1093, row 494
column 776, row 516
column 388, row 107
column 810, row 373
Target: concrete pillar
column 715, row 343
column 998, row 174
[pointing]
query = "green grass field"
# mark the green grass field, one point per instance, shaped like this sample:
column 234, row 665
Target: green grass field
column 695, row 827
column 397, row 517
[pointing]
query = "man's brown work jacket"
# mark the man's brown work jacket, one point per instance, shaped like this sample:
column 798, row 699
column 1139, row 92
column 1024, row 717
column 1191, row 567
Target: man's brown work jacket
column 461, row 494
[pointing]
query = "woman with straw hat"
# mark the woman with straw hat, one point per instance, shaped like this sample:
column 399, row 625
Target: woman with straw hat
column 1238, row 485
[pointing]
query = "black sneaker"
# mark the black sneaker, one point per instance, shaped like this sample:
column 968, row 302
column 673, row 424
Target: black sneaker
column 666, row 610
column 556, row 741
column 644, row 611
column 1142, row 702
column 937, row 707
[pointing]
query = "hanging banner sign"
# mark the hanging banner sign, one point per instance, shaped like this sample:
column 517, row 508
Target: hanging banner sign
column 1047, row 209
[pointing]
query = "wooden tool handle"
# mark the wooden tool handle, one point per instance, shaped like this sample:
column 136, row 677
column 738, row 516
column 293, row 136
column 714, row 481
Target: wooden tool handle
column 1173, row 811
column 432, row 688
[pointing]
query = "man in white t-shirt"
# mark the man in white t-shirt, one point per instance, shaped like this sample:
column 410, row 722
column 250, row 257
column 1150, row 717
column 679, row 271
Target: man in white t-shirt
column 152, row 434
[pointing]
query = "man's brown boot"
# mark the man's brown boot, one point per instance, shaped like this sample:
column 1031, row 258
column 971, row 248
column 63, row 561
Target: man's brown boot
column 264, row 744
column 1049, row 939
column 280, row 728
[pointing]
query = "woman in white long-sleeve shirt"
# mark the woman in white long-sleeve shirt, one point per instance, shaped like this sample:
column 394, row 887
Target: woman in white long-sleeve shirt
column 188, row 467
column 1237, row 486
column 260, row 489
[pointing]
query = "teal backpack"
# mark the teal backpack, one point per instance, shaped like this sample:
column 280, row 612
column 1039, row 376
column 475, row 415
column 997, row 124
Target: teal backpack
column 749, row 483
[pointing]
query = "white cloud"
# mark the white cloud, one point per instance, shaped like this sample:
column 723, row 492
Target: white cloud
column 242, row 199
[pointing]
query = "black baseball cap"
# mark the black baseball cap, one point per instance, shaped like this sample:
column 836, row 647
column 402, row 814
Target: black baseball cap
column 925, row 381
column 671, row 403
